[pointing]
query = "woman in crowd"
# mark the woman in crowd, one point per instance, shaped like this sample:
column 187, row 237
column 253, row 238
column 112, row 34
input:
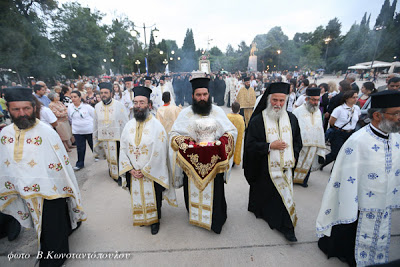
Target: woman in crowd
column 333, row 90
column 81, row 116
column 90, row 97
column 66, row 91
column 343, row 121
column 292, row 95
column 367, row 89
column 81, row 88
column 57, row 89
column 98, row 97
column 63, row 127
column 117, row 91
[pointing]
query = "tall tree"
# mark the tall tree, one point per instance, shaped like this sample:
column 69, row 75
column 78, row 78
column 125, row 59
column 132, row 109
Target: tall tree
column 77, row 30
column 24, row 46
column 188, row 49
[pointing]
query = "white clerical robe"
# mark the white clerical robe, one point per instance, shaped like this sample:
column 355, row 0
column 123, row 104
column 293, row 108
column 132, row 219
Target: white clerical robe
column 127, row 100
column 199, row 200
column 313, row 138
column 35, row 166
column 364, row 185
column 108, row 123
column 144, row 147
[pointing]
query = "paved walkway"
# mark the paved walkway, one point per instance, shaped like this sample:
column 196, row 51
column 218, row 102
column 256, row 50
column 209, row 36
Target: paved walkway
column 244, row 240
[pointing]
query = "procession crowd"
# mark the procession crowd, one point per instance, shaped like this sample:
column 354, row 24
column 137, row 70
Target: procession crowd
column 161, row 132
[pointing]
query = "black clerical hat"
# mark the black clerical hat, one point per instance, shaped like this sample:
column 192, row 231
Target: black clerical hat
column 315, row 91
column 147, row 78
column 386, row 99
column 162, row 78
column 280, row 87
column 142, row 91
column 201, row 82
column 246, row 79
column 18, row 93
column 127, row 79
column 105, row 85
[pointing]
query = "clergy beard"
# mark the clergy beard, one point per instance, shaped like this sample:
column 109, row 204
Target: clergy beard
column 141, row 114
column 202, row 107
column 107, row 101
column 275, row 112
column 24, row 122
column 388, row 126
column 311, row 108
column 247, row 87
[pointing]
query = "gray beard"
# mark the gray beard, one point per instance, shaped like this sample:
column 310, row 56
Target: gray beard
column 273, row 114
column 311, row 108
column 389, row 126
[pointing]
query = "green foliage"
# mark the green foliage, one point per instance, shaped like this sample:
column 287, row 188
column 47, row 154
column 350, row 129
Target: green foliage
column 77, row 31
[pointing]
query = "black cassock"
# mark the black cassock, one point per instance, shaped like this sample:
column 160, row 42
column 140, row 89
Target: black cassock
column 264, row 199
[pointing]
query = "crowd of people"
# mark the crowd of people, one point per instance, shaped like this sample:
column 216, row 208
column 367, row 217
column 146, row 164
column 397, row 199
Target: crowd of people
column 153, row 145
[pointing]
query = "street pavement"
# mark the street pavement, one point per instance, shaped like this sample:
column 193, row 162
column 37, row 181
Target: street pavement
column 244, row 240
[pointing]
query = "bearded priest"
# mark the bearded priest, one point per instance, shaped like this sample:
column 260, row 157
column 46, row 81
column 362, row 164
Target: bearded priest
column 143, row 161
column 312, row 136
column 109, row 120
column 363, row 192
column 272, row 145
column 247, row 99
column 38, row 185
column 202, row 143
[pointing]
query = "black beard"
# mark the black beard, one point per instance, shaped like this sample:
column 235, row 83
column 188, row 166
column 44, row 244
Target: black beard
column 106, row 101
column 202, row 107
column 140, row 114
column 247, row 87
column 24, row 122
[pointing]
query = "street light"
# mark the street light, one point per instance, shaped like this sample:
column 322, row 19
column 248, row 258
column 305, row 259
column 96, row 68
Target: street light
column 327, row 40
column 279, row 53
column 165, row 61
column 179, row 58
column 137, row 62
column 112, row 60
column 63, row 56
column 161, row 52
column 377, row 28
column 171, row 58
column 172, row 52
column 155, row 34
column 105, row 60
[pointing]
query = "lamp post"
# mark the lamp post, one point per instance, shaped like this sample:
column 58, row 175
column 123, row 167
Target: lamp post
column 279, row 53
column 377, row 28
column 327, row 40
column 155, row 31
column 137, row 62
column 63, row 56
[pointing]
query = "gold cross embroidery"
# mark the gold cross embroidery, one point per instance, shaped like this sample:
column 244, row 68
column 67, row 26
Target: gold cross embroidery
column 56, row 147
column 7, row 163
column 32, row 163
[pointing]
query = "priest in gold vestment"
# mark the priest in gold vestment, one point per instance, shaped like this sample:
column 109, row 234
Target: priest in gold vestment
column 167, row 113
column 247, row 99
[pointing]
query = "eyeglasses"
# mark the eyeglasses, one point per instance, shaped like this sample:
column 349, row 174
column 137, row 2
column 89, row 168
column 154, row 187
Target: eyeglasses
column 397, row 114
